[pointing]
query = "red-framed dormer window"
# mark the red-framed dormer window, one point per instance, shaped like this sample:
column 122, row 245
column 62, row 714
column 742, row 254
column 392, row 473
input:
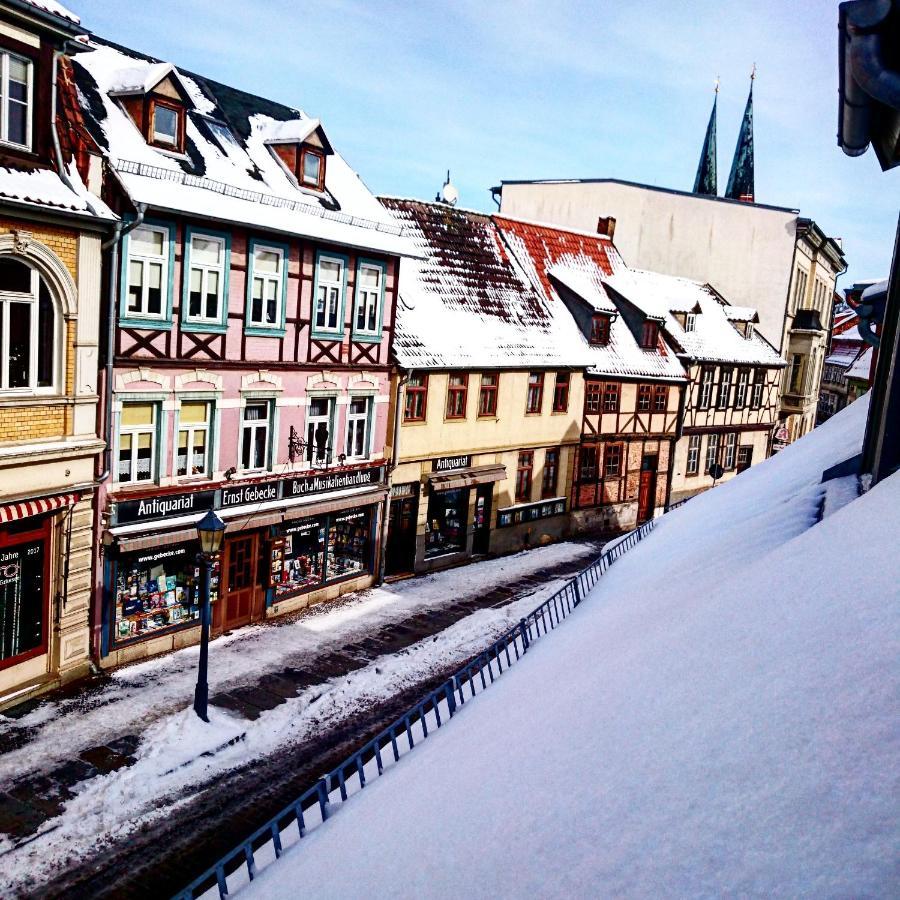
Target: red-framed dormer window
column 311, row 168
column 599, row 330
column 165, row 124
column 649, row 335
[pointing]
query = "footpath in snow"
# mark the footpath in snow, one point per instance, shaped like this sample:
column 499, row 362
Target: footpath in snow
column 173, row 755
column 719, row 717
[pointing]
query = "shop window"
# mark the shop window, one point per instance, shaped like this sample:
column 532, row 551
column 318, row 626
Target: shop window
column 266, row 284
column 207, row 280
column 457, row 389
column 369, row 294
column 299, row 563
column 193, row 454
column 28, row 330
column 729, row 450
column 612, row 393
column 415, row 398
column 599, row 330
column 593, row 393
column 707, row 377
column 740, row 388
column 587, row 469
column 319, row 424
column 487, row 396
column 158, row 589
column 149, row 254
column 649, row 335
column 137, row 442
column 535, row 398
column 724, row 392
column 330, row 279
column 445, row 529
column 712, row 452
column 759, row 381
column 348, row 550
column 551, row 474
column 358, row 415
column 23, row 594
column 612, row 461
column 15, row 100
column 255, row 427
column 523, row 475
column 644, row 398
column 660, row 398
column 693, row 455
column 561, row 392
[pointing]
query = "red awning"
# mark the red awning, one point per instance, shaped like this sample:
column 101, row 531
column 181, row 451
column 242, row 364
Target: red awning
column 24, row 509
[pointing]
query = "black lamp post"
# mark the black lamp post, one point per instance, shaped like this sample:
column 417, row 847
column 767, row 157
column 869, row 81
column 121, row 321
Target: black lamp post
column 210, row 530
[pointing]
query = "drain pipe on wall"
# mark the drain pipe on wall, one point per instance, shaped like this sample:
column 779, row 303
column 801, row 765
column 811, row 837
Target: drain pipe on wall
column 392, row 464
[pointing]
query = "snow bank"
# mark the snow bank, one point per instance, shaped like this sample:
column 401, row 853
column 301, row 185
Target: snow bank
column 718, row 718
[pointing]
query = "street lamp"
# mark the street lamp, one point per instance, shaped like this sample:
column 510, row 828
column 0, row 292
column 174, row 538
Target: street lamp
column 210, row 530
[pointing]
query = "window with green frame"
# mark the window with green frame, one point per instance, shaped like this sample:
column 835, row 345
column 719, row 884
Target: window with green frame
column 329, row 291
column 207, row 264
column 267, row 281
column 148, row 256
column 368, row 312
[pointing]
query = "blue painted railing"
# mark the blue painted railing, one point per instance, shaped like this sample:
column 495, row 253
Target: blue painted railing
column 266, row 844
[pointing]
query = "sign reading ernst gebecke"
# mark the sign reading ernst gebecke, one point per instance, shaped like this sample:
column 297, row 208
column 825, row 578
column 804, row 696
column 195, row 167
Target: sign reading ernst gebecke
column 449, row 463
column 164, row 506
column 331, row 481
column 241, row 494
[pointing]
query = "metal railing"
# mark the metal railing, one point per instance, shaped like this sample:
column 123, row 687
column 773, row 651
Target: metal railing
column 241, row 865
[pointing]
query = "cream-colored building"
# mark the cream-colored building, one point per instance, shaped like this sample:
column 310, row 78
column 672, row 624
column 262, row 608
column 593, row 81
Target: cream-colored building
column 50, row 275
column 760, row 256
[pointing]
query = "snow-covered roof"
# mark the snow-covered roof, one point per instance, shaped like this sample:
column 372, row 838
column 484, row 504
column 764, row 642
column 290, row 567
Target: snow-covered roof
column 844, row 355
column 714, row 338
column 45, row 188
column 228, row 172
column 476, row 300
column 585, row 261
column 54, row 8
column 741, row 314
column 862, row 367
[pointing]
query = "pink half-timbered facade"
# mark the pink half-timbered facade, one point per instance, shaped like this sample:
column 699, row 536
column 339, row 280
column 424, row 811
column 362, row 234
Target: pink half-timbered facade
column 253, row 291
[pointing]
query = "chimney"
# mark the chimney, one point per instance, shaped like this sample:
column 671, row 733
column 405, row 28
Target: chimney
column 606, row 225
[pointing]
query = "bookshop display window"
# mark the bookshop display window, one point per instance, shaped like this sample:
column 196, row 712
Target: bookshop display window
column 23, row 588
column 313, row 552
column 445, row 530
column 157, row 590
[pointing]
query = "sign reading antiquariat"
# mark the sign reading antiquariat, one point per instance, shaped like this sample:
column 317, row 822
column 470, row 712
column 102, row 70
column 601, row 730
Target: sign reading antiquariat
column 449, row 463
column 163, row 506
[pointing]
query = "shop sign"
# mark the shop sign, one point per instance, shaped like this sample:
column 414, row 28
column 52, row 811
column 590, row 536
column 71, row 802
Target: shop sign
column 400, row 491
column 450, row 463
column 333, row 481
column 240, row 494
column 162, row 507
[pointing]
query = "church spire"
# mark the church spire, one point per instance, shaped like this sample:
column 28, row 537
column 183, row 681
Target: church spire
column 706, row 181
column 740, row 181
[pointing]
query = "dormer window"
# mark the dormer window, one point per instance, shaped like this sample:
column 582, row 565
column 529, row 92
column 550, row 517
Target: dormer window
column 649, row 335
column 748, row 330
column 166, row 124
column 155, row 99
column 312, row 168
column 690, row 322
column 599, row 330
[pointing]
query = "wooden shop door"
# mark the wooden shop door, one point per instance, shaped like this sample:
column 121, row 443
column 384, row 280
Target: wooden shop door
column 647, row 490
column 242, row 600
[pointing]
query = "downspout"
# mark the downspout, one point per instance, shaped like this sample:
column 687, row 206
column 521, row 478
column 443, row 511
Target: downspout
column 392, row 464
column 679, row 433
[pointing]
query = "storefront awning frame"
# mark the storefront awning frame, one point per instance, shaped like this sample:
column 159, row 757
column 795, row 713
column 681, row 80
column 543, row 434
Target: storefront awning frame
column 463, row 478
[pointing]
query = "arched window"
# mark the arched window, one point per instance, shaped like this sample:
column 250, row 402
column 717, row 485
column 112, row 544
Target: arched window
column 28, row 329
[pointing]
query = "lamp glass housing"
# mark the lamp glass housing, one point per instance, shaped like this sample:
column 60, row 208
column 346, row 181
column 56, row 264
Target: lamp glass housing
column 211, row 531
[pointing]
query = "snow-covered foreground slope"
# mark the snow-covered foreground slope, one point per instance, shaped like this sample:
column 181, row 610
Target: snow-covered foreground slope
column 719, row 718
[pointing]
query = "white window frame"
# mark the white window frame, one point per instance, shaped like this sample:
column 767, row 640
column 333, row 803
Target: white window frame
column 712, row 452
column 313, row 421
column 354, row 422
column 693, row 455
column 32, row 299
column 161, row 137
column 266, row 278
column 321, row 283
column 135, row 431
column 723, row 392
column 705, row 398
column 368, row 299
column 145, row 260
column 5, row 101
column 253, row 427
column 192, row 428
column 756, row 390
column 728, row 458
column 690, row 322
column 740, row 388
column 205, row 270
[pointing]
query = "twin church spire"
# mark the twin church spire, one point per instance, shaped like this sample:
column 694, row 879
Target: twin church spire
column 741, row 178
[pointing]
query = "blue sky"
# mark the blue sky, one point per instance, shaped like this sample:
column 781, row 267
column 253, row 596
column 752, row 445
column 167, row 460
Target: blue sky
column 506, row 89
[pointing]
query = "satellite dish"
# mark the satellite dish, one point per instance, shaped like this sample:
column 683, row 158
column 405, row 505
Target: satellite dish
column 448, row 194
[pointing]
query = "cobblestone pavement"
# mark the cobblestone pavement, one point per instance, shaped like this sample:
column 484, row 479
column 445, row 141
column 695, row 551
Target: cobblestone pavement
column 205, row 826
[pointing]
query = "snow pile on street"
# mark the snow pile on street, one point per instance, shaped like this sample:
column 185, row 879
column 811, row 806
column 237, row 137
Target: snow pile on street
column 718, row 718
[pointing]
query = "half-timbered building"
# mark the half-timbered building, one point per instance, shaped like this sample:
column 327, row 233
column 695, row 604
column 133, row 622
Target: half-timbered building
column 252, row 297
column 734, row 374
column 633, row 389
